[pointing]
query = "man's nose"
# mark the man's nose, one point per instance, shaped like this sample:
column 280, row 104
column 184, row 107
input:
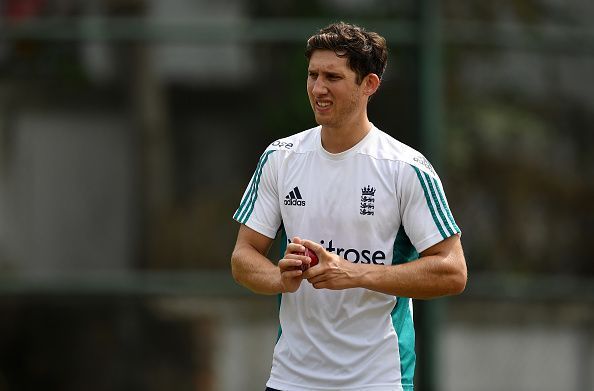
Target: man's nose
column 319, row 87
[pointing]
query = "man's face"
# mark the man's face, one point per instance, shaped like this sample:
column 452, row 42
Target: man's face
column 335, row 97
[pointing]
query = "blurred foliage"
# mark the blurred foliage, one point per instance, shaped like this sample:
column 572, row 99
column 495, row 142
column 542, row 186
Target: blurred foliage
column 518, row 169
column 516, row 181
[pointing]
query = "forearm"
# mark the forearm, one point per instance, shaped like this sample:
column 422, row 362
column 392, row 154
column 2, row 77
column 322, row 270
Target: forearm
column 440, row 271
column 254, row 271
column 425, row 278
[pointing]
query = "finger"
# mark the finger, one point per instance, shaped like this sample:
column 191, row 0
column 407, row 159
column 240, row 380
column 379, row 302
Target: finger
column 300, row 256
column 292, row 273
column 314, row 274
column 317, row 280
column 307, row 274
column 318, row 285
column 315, row 247
column 295, row 248
column 323, row 285
column 295, row 256
column 290, row 263
column 320, row 280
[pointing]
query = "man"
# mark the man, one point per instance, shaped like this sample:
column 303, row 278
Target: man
column 372, row 210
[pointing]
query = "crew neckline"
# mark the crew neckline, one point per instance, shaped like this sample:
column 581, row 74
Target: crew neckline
column 344, row 154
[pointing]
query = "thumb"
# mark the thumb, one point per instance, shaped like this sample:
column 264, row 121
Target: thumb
column 317, row 248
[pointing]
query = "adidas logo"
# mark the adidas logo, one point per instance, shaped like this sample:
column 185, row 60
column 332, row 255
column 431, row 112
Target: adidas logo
column 294, row 198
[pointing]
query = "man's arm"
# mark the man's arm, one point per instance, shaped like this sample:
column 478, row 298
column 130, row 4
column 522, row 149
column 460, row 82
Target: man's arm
column 251, row 268
column 440, row 271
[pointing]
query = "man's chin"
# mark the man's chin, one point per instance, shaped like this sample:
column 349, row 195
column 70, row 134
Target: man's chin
column 324, row 121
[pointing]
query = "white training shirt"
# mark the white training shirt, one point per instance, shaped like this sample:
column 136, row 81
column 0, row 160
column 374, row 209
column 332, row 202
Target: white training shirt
column 379, row 202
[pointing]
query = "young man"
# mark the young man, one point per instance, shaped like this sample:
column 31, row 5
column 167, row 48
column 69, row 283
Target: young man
column 373, row 211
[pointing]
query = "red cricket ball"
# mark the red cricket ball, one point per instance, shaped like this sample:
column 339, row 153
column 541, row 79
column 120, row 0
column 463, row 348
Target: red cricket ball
column 312, row 256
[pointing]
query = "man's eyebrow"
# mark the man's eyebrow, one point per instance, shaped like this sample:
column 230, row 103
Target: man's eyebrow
column 326, row 73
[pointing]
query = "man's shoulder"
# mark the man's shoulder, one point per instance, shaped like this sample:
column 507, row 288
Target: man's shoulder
column 296, row 143
column 386, row 147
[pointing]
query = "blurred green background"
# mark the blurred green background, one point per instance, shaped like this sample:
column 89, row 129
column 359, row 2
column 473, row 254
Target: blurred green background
column 130, row 128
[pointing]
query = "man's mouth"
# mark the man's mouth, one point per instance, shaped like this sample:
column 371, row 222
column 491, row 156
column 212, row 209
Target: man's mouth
column 323, row 104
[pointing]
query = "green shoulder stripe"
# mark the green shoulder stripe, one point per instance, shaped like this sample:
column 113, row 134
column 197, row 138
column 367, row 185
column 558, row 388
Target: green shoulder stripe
column 429, row 203
column 451, row 220
column 248, row 194
column 247, row 203
column 437, row 202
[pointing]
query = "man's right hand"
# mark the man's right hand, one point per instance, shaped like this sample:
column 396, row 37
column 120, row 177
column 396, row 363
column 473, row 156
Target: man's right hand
column 290, row 265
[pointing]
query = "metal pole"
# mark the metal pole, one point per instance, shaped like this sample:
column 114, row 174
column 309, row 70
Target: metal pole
column 430, row 121
column 430, row 79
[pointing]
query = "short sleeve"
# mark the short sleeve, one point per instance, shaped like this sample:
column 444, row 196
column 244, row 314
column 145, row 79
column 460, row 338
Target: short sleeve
column 426, row 216
column 259, row 208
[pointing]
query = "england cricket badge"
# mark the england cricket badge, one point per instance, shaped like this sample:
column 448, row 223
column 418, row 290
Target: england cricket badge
column 367, row 201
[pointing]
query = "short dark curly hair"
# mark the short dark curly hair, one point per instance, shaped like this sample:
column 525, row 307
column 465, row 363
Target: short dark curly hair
column 366, row 51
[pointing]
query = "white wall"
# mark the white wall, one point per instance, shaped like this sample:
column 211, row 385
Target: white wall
column 67, row 193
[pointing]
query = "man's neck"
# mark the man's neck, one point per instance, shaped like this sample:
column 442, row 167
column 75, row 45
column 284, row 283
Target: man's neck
column 340, row 139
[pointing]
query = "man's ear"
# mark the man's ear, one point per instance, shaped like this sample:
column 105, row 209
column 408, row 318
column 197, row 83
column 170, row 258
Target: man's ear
column 371, row 83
